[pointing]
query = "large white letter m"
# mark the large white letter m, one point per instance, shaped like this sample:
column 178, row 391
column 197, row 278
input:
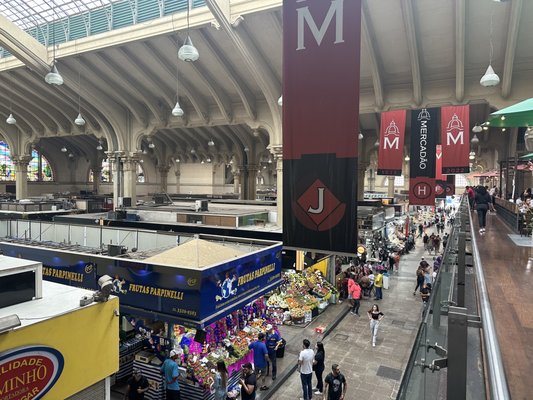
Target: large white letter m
column 304, row 15
column 450, row 138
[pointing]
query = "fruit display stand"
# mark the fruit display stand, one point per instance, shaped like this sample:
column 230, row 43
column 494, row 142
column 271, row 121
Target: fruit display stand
column 302, row 295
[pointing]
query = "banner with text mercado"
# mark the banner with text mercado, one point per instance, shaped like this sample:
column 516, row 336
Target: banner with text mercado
column 321, row 61
column 391, row 138
column 455, row 139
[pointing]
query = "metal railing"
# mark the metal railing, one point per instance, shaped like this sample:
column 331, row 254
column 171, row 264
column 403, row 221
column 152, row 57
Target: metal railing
column 449, row 337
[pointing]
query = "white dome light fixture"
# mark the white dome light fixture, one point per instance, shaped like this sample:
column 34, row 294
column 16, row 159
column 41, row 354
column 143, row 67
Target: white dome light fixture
column 361, row 136
column 211, row 143
column 53, row 77
column 99, row 147
column 11, row 120
column 475, row 139
column 280, row 101
column 477, row 129
column 151, row 145
column 407, row 158
column 79, row 120
column 188, row 52
column 177, row 111
column 490, row 78
column 63, row 149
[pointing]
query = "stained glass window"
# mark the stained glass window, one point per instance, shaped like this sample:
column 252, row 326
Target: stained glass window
column 39, row 168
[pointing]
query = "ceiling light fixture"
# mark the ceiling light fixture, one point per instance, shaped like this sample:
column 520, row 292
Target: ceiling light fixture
column 177, row 111
column 79, row 119
column 376, row 143
column 407, row 158
column 151, row 145
column 477, row 128
column 485, row 128
column 361, row 136
column 53, row 77
column 211, row 143
column 475, row 139
column 193, row 151
column 490, row 78
column 280, row 101
column 188, row 52
column 99, row 147
column 70, row 155
column 11, row 119
column 246, row 149
column 63, row 149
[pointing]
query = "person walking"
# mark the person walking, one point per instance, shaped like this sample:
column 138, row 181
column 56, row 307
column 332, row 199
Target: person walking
column 419, row 278
column 220, row 386
column 375, row 316
column 137, row 386
column 273, row 341
column 318, row 367
column 335, row 384
column 305, row 366
column 355, row 292
column 482, row 201
column 378, row 283
column 248, row 382
column 170, row 372
column 260, row 358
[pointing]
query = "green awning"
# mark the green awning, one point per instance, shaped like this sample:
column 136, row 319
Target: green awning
column 515, row 116
column 527, row 157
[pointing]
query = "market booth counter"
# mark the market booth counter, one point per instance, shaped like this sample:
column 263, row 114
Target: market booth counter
column 211, row 290
column 58, row 349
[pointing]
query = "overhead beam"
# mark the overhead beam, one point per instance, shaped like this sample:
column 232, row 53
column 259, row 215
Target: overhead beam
column 246, row 96
column 222, row 101
column 256, row 63
column 23, row 46
column 412, row 45
column 373, row 58
column 460, row 49
column 198, row 103
column 510, row 49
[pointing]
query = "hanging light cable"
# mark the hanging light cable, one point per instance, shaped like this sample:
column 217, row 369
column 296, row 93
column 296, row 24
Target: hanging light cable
column 188, row 52
column 10, row 119
column 79, row 119
column 177, row 111
column 490, row 78
column 53, row 77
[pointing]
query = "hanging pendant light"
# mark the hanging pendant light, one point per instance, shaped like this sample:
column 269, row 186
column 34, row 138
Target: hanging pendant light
column 188, row 52
column 361, row 136
column 99, row 147
column 475, row 139
column 79, row 119
column 211, row 143
column 177, row 111
column 477, row 129
column 490, row 78
column 63, row 149
column 53, row 77
column 280, row 101
column 11, row 120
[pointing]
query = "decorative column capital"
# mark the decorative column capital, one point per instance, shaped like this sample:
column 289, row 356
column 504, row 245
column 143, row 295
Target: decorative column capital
column 22, row 160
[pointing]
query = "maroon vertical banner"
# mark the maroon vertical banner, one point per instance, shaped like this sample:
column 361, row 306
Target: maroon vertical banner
column 438, row 163
column 455, row 139
column 391, row 137
column 321, row 57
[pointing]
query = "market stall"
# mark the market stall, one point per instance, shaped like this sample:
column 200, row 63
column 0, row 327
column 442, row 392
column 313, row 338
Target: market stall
column 301, row 297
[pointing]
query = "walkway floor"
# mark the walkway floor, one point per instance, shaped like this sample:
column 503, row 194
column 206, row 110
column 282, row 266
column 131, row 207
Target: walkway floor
column 372, row 373
column 509, row 276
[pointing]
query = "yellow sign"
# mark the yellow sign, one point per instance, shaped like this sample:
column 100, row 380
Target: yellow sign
column 60, row 356
column 361, row 249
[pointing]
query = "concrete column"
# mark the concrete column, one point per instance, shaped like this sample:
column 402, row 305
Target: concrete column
column 97, row 177
column 163, row 173
column 277, row 152
column 116, row 175
column 237, row 182
column 21, row 175
column 361, row 170
column 390, row 192
column 178, row 178
column 251, row 187
column 129, row 168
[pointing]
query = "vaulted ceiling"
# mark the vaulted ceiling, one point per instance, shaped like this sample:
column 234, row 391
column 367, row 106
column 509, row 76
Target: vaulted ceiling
column 414, row 53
